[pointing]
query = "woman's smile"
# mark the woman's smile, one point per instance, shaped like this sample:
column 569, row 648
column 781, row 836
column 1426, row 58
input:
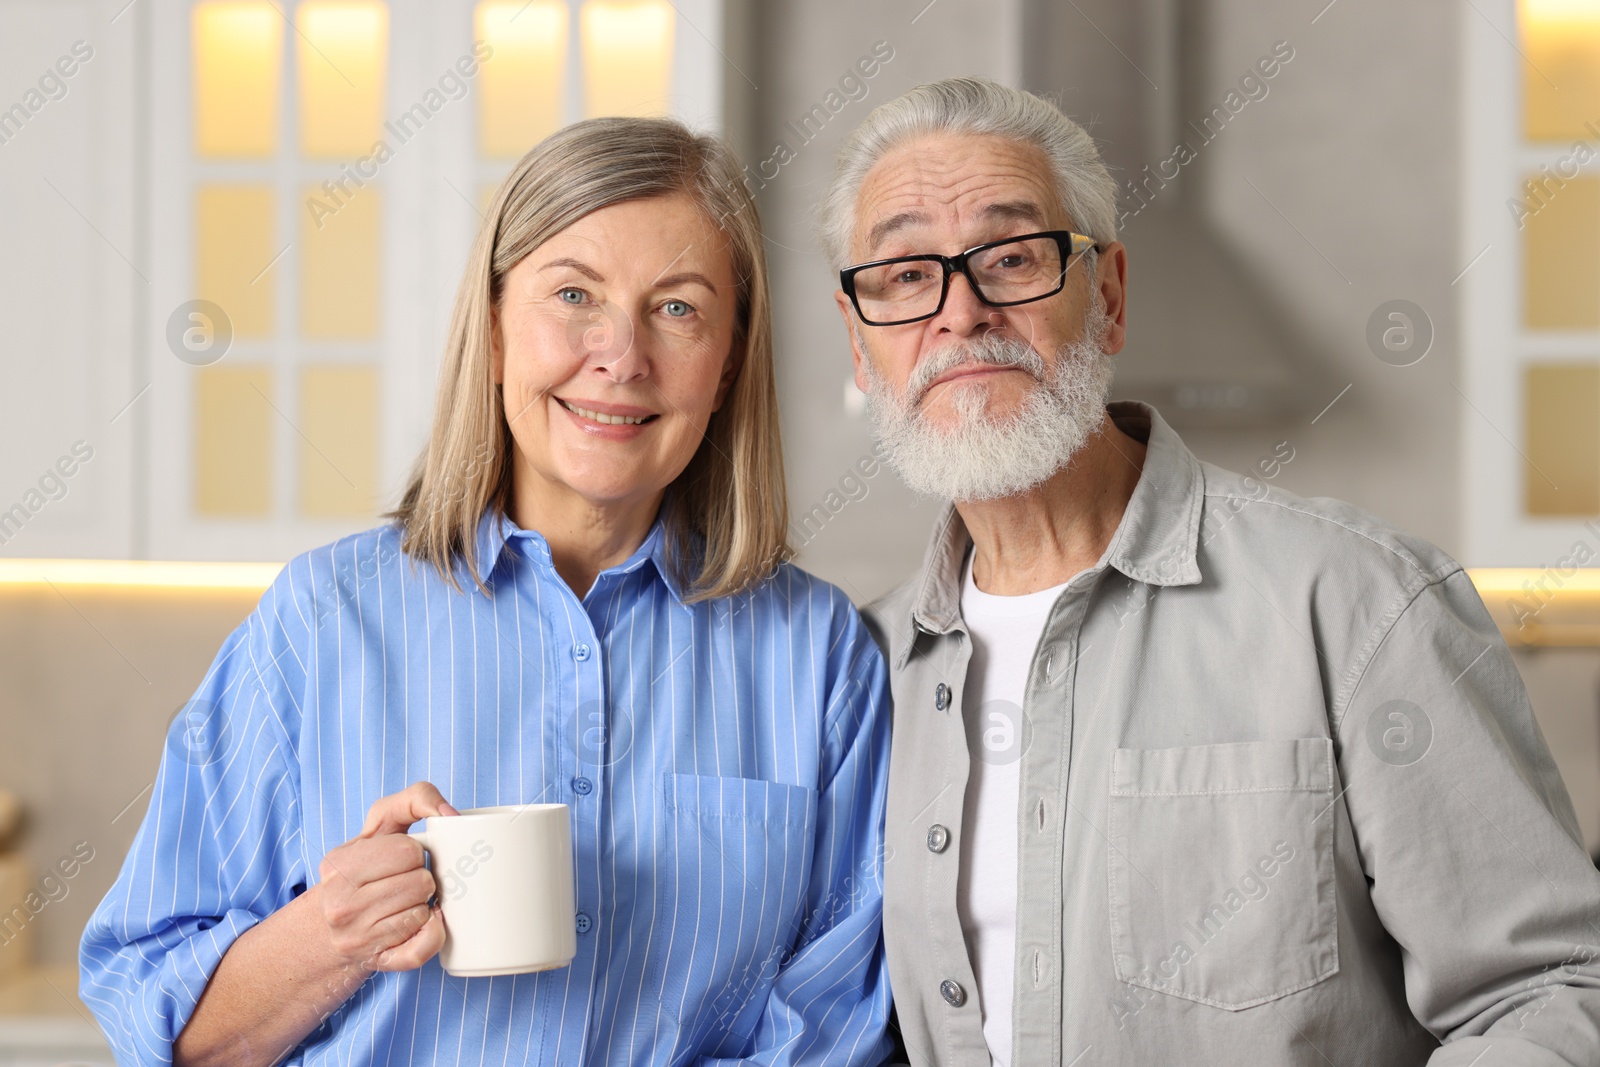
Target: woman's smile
column 611, row 422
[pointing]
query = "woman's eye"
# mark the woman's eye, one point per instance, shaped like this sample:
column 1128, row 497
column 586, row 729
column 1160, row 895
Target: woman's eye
column 676, row 308
column 571, row 296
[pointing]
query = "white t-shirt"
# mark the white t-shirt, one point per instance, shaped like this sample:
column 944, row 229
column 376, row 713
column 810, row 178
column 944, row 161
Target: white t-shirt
column 1004, row 631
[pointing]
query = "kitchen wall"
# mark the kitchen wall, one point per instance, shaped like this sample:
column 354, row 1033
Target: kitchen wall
column 1354, row 159
column 89, row 680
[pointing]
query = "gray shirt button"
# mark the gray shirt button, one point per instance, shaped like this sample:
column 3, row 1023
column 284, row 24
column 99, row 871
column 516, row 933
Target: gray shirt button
column 941, row 696
column 952, row 993
column 938, row 838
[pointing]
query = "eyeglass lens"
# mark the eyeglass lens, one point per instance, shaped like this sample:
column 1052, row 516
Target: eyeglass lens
column 1007, row 273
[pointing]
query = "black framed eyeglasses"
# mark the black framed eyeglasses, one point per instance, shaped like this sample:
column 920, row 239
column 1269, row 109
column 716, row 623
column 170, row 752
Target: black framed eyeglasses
column 1017, row 270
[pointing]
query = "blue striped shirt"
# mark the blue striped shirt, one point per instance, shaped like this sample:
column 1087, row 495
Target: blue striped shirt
column 724, row 761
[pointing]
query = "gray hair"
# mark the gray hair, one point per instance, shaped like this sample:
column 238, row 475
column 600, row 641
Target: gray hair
column 975, row 106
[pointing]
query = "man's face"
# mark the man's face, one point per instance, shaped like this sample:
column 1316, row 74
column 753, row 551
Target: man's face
column 973, row 378
column 946, row 194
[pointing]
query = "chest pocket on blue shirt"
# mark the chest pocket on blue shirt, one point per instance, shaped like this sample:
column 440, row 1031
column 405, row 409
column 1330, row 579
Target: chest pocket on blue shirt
column 731, row 877
column 1222, row 882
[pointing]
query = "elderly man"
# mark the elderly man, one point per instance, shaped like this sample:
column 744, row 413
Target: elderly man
column 1185, row 769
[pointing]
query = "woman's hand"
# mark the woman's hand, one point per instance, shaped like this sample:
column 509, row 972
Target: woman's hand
column 374, row 889
column 284, row 976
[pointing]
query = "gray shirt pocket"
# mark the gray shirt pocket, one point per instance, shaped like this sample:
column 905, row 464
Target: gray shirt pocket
column 1221, row 869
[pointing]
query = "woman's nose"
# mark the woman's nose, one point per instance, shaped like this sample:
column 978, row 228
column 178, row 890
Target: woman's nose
column 610, row 343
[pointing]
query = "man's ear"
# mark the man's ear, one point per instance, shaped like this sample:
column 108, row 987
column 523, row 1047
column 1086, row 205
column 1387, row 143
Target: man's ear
column 730, row 371
column 497, row 347
column 857, row 357
column 1111, row 277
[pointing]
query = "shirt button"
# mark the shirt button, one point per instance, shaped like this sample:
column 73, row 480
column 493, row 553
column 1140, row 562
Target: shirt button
column 582, row 786
column 953, row 994
column 941, row 696
column 583, row 923
column 938, row 838
column 581, row 652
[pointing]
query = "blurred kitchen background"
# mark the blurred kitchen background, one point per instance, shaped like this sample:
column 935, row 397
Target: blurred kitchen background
column 1361, row 233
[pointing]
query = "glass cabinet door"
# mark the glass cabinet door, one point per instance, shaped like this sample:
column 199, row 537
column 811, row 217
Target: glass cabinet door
column 1531, row 304
column 318, row 172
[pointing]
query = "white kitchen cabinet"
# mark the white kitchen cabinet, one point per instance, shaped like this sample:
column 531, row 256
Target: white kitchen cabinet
column 122, row 205
column 72, row 277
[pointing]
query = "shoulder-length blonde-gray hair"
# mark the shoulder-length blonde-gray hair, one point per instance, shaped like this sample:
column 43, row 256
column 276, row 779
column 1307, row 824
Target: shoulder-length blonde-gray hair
column 726, row 515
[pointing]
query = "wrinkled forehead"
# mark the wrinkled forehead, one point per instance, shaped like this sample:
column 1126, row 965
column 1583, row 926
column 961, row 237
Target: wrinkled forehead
column 648, row 240
column 954, row 188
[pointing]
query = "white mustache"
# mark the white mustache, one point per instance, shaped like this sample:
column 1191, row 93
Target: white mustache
column 983, row 456
column 993, row 350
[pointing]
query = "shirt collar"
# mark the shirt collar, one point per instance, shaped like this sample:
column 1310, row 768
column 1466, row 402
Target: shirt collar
column 1156, row 541
column 495, row 530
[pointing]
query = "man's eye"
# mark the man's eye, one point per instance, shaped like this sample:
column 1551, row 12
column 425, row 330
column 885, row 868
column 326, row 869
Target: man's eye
column 1011, row 262
column 676, row 308
column 906, row 277
column 571, row 296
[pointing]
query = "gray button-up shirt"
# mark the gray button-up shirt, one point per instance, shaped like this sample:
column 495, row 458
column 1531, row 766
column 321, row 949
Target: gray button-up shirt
column 1283, row 801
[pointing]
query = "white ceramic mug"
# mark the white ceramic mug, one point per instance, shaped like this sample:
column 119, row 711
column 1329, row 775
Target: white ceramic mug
column 505, row 882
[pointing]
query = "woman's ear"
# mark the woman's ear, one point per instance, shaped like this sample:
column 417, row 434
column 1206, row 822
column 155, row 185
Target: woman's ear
column 497, row 348
column 730, row 371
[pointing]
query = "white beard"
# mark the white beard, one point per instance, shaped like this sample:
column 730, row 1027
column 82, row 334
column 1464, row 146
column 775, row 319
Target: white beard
column 986, row 457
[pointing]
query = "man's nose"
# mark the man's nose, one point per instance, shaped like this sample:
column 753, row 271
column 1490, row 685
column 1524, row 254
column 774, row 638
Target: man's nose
column 964, row 314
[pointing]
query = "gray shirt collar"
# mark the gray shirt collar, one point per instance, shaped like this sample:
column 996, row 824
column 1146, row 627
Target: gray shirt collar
column 1155, row 542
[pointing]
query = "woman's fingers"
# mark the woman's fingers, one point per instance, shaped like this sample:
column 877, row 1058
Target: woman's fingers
column 385, row 899
column 358, row 863
column 385, row 915
column 377, row 889
column 365, row 884
column 418, row 949
column 395, row 813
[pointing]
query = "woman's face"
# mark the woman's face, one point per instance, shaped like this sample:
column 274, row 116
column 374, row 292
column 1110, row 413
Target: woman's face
column 614, row 344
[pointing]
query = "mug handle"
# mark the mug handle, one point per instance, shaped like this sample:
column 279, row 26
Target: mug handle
column 429, row 846
column 421, row 837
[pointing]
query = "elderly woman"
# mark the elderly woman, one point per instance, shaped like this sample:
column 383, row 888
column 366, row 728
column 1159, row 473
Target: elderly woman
column 582, row 599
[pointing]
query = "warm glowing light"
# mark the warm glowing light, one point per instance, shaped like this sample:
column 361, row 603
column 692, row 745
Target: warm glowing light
column 338, row 416
column 341, row 287
column 1545, row 12
column 627, row 57
column 1584, row 583
column 342, row 55
column 129, row 573
column 1560, row 69
column 233, row 440
column 1561, row 256
column 234, row 227
column 1561, row 438
column 1542, row 607
column 238, row 52
column 520, row 85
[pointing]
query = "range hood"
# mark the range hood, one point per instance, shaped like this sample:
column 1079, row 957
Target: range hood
column 1206, row 343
